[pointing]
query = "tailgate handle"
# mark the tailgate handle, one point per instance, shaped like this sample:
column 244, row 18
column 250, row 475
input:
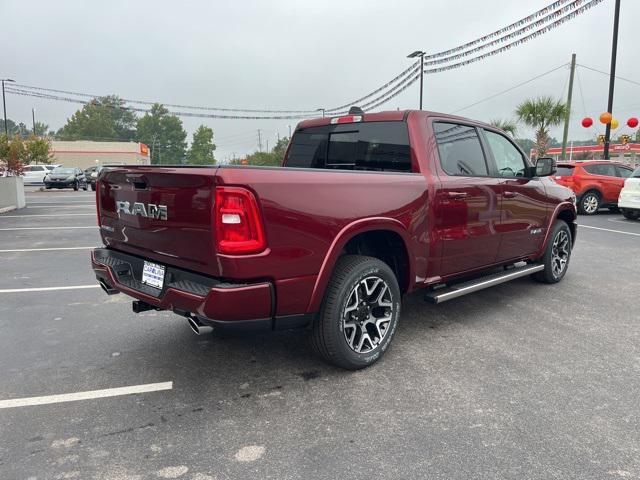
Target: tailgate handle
column 139, row 183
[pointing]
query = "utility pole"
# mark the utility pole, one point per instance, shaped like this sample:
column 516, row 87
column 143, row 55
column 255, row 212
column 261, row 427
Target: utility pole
column 421, row 54
column 567, row 117
column 4, row 105
column 289, row 131
column 33, row 117
column 612, row 77
column 259, row 141
column 267, row 145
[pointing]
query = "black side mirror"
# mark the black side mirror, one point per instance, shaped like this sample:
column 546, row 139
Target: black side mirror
column 545, row 166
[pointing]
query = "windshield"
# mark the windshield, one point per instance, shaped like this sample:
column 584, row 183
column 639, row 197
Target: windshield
column 63, row 171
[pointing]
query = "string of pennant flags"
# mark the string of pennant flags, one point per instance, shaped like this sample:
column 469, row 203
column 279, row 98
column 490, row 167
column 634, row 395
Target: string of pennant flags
column 560, row 12
column 499, row 32
column 516, row 33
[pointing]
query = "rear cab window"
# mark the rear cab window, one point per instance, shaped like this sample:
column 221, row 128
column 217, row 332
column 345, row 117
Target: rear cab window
column 369, row 146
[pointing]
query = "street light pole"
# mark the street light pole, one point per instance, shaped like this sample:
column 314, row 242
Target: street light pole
column 4, row 105
column 421, row 54
column 321, row 109
column 612, row 77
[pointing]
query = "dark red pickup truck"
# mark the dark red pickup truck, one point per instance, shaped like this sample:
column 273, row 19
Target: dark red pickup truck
column 366, row 208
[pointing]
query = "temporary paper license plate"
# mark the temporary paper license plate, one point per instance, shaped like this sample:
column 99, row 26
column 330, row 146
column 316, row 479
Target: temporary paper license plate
column 153, row 274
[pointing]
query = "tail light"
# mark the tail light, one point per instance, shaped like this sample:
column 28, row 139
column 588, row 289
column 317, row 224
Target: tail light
column 98, row 204
column 239, row 228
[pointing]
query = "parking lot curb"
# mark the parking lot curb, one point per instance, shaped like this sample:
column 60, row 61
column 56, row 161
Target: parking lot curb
column 7, row 209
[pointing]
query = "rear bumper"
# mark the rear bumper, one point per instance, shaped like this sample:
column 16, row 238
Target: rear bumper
column 212, row 301
column 629, row 201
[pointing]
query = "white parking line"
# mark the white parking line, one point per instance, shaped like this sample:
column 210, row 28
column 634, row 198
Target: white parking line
column 609, row 230
column 88, row 395
column 47, row 289
column 61, row 206
column 44, row 228
column 52, row 249
column 50, row 215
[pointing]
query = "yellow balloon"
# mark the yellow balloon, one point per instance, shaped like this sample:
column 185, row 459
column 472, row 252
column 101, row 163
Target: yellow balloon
column 614, row 123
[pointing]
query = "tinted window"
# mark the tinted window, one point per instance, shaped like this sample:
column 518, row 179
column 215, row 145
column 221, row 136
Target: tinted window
column 624, row 172
column 601, row 169
column 63, row 170
column 459, row 149
column 564, row 171
column 509, row 160
column 380, row 146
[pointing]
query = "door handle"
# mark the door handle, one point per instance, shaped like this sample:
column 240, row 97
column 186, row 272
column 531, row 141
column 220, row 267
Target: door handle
column 509, row 194
column 457, row 194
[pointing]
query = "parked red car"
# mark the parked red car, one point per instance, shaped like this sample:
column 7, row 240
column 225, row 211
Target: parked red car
column 596, row 183
column 366, row 208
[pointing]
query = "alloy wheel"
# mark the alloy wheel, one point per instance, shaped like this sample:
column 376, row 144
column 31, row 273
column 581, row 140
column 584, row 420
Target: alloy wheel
column 367, row 314
column 590, row 203
column 560, row 253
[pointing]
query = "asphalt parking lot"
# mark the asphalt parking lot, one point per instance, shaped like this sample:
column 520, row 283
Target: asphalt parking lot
column 519, row 381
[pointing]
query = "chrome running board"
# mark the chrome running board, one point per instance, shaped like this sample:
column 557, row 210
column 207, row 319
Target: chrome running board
column 460, row 289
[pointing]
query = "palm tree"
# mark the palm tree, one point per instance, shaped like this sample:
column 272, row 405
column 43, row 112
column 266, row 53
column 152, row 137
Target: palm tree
column 508, row 126
column 541, row 114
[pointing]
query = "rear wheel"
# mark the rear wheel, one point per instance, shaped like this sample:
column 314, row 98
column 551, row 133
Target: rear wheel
column 93, row 187
column 85, row 186
column 76, row 186
column 359, row 314
column 631, row 214
column 556, row 255
column 589, row 203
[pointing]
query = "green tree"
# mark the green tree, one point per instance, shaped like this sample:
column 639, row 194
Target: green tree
column 508, row 126
column 164, row 134
column 541, row 114
column 42, row 129
column 279, row 149
column 102, row 119
column 36, row 150
column 202, row 147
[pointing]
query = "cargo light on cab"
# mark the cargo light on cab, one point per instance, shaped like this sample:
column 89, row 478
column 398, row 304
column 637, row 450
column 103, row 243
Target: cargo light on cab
column 346, row 119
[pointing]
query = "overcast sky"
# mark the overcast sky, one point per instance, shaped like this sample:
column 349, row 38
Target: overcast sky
column 288, row 54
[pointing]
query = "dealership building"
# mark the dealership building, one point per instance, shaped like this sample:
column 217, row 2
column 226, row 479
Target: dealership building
column 84, row 154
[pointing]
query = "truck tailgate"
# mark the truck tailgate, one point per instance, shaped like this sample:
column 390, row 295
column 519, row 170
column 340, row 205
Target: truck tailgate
column 131, row 202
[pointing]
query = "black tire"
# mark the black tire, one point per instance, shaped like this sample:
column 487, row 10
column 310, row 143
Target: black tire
column 93, row 187
column 549, row 274
column 589, row 203
column 76, row 186
column 47, row 187
column 614, row 209
column 329, row 332
column 630, row 214
column 85, row 187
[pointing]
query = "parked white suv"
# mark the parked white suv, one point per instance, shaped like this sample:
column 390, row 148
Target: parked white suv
column 34, row 174
column 629, row 199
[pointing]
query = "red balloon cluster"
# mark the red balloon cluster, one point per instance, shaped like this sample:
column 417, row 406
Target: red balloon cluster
column 632, row 122
column 587, row 122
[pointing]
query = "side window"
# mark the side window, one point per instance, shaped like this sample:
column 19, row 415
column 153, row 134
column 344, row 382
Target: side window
column 509, row 160
column 624, row 172
column 601, row 169
column 460, row 150
column 384, row 146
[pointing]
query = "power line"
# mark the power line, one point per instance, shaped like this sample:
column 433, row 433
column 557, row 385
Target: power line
column 490, row 97
column 608, row 74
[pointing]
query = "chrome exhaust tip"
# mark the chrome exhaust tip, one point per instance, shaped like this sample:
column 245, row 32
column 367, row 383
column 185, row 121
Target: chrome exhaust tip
column 108, row 289
column 197, row 327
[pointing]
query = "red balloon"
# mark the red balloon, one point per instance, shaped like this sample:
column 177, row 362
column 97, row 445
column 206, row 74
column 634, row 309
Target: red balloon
column 587, row 122
column 632, row 122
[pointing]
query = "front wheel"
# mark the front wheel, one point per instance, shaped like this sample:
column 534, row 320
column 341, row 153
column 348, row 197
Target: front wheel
column 556, row 255
column 359, row 314
column 76, row 186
